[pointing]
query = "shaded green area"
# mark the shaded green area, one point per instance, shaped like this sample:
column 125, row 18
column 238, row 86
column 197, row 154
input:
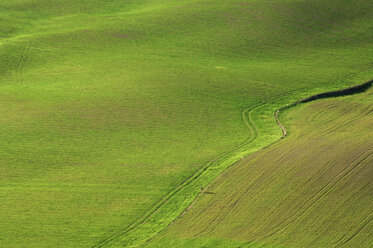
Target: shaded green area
column 107, row 106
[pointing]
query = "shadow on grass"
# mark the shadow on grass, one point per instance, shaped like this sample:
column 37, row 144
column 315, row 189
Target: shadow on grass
column 344, row 92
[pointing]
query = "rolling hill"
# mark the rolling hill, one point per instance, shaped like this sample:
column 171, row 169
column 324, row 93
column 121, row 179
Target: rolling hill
column 113, row 114
column 311, row 189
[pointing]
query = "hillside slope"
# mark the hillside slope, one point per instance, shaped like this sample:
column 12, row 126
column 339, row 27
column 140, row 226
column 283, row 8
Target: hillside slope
column 311, row 189
column 108, row 106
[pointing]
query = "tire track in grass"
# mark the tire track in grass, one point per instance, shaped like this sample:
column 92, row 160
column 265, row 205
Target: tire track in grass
column 246, row 114
column 315, row 115
column 22, row 62
column 318, row 196
column 254, row 133
column 349, row 122
column 225, row 157
column 248, row 120
column 336, row 93
column 344, row 92
column 233, row 201
column 346, row 203
column 162, row 201
column 363, row 223
column 230, row 207
column 214, row 162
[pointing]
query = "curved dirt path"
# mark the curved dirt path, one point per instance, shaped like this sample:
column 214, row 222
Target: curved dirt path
column 284, row 131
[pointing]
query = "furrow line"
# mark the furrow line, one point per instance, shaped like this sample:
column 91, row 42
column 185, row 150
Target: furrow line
column 254, row 134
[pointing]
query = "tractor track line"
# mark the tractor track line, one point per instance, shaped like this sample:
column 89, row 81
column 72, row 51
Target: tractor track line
column 254, row 133
column 360, row 88
column 162, row 201
column 22, row 61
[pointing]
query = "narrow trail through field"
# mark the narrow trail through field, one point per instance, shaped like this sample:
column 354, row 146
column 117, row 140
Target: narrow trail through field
column 246, row 115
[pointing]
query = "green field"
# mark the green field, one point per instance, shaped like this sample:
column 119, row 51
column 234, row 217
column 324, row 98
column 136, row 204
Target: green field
column 114, row 113
column 312, row 189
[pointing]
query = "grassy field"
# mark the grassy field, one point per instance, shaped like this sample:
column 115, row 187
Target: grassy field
column 312, row 189
column 107, row 108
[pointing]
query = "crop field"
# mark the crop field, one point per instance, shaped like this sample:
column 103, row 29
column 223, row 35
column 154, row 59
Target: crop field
column 312, row 189
column 115, row 113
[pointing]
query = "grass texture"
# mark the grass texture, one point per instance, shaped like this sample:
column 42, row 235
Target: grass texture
column 113, row 114
column 311, row 189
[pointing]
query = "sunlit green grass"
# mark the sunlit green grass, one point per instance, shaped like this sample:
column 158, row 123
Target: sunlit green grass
column 311, row 189
column 106, row 106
